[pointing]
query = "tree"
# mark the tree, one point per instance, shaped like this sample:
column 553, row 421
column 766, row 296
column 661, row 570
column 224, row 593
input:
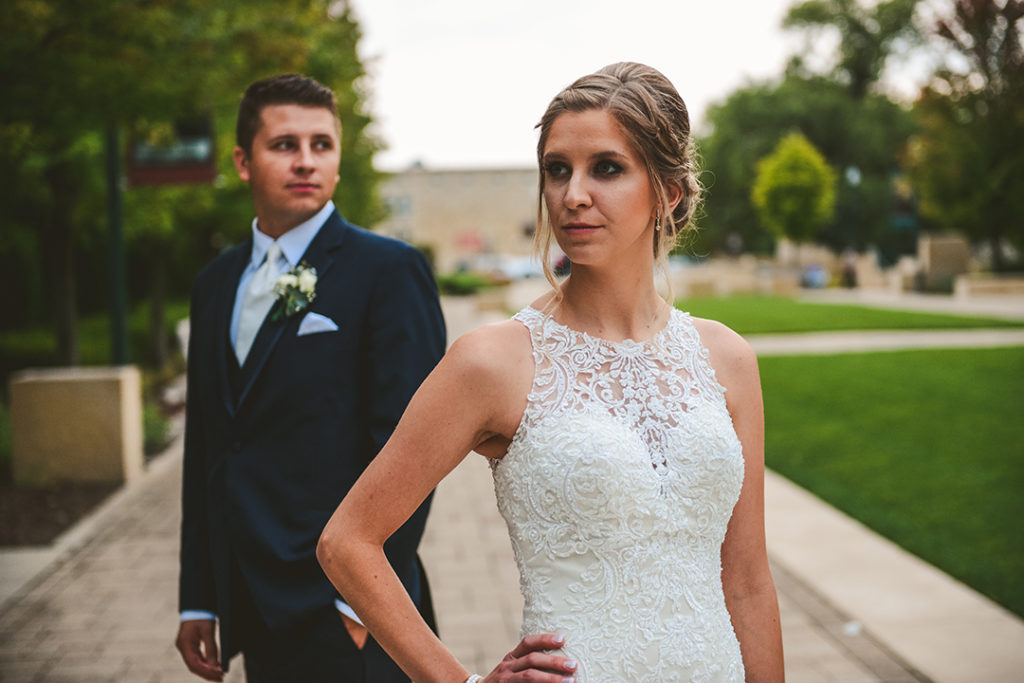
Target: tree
column 794, row 191
column 859, row 130
column 73, row 69
column 967, row 163
column 868, row 135
column 70, row 70
column 867, row 35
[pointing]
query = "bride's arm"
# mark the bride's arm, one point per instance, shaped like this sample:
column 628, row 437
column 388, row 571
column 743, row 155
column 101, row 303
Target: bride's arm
column 746, row 577
column 467, row 399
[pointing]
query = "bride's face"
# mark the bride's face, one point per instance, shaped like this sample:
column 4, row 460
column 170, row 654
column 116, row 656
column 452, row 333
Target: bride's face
column 598, row 195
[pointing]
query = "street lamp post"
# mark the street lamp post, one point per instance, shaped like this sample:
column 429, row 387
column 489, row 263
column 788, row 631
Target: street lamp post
column 118, row 328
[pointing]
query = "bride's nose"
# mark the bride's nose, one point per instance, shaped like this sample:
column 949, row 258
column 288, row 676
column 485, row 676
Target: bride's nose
column 577, row 194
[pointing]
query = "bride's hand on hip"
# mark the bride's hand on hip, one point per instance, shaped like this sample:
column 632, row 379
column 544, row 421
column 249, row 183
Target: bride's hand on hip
column 529, row 662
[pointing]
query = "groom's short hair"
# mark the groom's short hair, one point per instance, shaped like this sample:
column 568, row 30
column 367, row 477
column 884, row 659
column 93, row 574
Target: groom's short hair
column 283, row 89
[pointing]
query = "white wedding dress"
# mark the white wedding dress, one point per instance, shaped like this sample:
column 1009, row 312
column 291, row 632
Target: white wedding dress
column 617, row 489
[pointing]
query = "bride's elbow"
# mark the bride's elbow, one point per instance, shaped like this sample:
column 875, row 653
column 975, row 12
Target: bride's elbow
column 328, row 549
column 344, row 556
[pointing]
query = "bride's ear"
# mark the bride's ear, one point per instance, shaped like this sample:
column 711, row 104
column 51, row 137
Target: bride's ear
column 674, row 192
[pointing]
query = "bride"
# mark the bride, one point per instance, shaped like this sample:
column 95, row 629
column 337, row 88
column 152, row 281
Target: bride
column 625, row 437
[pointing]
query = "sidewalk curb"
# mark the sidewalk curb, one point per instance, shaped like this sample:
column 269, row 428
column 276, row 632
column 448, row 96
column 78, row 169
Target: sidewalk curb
column 937, row 625
column 873, row 341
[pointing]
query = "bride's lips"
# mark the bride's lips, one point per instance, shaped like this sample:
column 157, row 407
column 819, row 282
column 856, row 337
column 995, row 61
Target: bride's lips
column 578, row 227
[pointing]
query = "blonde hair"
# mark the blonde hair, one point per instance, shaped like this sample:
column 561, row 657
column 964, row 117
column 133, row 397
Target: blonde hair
column 657, row 125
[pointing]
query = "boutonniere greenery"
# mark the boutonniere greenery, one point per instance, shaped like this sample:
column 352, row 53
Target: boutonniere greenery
column 295, row 291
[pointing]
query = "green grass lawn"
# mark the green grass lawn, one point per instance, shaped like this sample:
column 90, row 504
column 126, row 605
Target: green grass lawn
column 767, row 314
column 926, row 447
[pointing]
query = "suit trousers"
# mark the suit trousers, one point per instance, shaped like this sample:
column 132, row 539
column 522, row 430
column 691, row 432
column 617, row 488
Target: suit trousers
column 318, row 650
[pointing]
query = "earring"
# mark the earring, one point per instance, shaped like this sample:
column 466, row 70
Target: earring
column 657, row 221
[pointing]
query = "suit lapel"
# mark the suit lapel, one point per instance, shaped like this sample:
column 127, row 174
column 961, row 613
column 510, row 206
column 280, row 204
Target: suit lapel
column 222, row 324
column 319, row 255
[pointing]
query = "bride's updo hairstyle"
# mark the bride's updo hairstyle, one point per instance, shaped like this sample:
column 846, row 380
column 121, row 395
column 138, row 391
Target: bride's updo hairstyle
column 657, row 125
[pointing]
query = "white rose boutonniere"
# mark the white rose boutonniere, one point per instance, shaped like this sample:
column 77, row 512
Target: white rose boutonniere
column 295, row 291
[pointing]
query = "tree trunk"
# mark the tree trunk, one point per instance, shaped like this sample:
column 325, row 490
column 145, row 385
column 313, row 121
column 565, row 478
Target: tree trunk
column 59, row 257
column 157, row 300
column 996, row 245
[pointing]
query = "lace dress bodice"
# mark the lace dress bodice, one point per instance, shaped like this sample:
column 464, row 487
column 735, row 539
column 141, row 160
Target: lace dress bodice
column 617, row 490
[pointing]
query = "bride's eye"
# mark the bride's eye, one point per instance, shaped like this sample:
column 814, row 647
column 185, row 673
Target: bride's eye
column 606, row 167
column 556, row 169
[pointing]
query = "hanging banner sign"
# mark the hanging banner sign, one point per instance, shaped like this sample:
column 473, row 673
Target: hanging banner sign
column 187, row 158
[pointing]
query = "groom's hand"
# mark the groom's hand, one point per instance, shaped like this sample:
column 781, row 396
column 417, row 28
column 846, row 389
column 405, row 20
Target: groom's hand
column 529, row 662
column 198, row 648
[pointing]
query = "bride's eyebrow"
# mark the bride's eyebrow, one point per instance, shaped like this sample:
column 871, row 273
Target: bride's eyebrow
column 610, row 154
column 596, row 156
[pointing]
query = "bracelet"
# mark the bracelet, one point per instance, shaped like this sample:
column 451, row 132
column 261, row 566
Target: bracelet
column 474, row 678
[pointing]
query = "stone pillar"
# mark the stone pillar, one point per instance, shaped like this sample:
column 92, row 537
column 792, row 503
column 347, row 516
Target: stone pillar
column 942, row 258
column 76, row 424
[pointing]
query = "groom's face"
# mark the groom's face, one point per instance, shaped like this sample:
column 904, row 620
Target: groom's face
column 293, row 167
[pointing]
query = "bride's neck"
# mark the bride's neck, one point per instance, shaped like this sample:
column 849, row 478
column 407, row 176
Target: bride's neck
column 612, row 308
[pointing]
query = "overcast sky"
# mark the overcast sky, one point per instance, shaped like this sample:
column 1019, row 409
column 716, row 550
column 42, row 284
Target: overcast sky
column 461, row 83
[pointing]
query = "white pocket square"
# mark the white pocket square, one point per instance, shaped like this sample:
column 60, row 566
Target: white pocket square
column 314, row 322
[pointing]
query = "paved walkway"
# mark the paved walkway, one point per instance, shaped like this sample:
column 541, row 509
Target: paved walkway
column 1010, row 307
column 100, row 604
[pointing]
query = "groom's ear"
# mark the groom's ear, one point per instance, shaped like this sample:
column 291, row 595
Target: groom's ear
column 241, row 163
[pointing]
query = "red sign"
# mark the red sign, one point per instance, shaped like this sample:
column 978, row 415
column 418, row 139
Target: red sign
column 189, row 158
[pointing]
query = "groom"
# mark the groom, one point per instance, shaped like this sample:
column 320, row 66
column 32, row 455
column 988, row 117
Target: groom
column 291, row 393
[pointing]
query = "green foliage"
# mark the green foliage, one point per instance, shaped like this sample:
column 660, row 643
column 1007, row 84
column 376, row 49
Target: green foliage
column 868, row 35
column 463, row 283
column 861, row 133
column 156, row 428
column 794, row 190
column 967, row 163
column 70, row 70
column 867, row 134
column 921, row 446
column 35, row 346
column 771, row 315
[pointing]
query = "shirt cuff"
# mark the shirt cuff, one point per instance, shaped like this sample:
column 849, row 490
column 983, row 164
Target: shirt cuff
column 345, row 609
column 196, row 615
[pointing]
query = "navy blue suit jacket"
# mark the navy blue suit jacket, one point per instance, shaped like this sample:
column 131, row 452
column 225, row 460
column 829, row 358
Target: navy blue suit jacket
column 271, row 449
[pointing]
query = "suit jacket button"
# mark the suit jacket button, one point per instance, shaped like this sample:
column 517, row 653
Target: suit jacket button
column 237, row 447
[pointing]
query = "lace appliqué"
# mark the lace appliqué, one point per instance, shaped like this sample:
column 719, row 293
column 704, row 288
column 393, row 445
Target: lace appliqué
column 617, row 490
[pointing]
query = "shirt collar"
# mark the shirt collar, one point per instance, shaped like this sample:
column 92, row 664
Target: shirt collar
column 294, row 242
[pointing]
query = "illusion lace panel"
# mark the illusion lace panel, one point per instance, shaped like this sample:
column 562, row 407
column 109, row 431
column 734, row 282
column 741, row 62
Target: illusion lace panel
column 646, row 385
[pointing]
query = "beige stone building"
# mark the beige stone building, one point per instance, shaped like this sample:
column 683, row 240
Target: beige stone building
column 469, row 218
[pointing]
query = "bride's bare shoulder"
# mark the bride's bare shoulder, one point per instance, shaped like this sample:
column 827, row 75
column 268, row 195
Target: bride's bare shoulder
column 493, row 350
column 717, row 336
column 731, row 356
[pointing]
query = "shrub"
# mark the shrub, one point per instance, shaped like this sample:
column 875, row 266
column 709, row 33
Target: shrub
column 462, row 283
column 156, row 428
column 33, row 347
